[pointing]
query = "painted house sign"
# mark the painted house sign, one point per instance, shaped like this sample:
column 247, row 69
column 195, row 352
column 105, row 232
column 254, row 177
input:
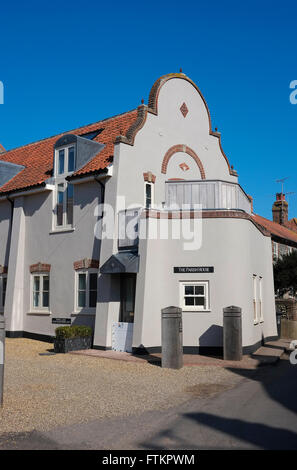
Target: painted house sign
column 61, row 321
column 193, row 269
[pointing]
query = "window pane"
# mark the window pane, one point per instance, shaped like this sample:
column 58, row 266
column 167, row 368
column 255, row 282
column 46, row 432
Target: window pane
column 61, row 162
column 36, row 283
column 35, row 299
column 93, row 281
column 199, row 290
column 82, row 282
column 199, row 300
column 148, row 195
column 189, row 290
column 69, row 206
column 93, row 298
column 71, row 159
column 189, row 300
column 45, row 299
column 45, row 283
column 60, row 197
column 82, row 298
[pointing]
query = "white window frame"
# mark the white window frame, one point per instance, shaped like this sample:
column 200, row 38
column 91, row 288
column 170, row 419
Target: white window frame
column 194, row 308
column 152, row 185
column 40, row 308
column 255, row 303
column 87, row 308
column 66, row 161
column 260, row 291
column 65, row 225
column 2, row 276
column 60, row 179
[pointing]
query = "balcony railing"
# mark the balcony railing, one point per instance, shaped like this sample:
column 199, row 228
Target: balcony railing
column 211, row 194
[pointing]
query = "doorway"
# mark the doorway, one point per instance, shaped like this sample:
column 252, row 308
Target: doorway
column 128, row 288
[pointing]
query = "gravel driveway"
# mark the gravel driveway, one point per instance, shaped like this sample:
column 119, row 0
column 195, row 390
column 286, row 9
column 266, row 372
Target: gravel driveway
column 46, row 391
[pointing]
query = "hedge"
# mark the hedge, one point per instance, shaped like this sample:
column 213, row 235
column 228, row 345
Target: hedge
column 73, row 331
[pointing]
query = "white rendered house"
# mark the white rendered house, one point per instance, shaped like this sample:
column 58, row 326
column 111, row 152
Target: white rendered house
column 159, row 167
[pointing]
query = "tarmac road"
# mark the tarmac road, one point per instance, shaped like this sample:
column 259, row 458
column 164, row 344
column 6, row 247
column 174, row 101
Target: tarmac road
column 259, row 413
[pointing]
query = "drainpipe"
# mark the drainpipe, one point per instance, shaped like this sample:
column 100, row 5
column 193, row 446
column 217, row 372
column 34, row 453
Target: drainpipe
column 102, row 192
column 11, row 201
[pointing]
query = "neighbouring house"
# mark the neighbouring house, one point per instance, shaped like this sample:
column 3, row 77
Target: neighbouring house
column 283, row 232
column 159, row 164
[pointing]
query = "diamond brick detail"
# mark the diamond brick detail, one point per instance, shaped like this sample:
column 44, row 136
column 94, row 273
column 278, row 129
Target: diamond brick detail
column 184, row 109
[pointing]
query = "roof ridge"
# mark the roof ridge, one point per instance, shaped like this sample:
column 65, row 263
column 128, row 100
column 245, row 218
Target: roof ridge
column 67, row 132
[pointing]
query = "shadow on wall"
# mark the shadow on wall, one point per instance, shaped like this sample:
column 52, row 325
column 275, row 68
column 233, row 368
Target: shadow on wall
column 212, row 337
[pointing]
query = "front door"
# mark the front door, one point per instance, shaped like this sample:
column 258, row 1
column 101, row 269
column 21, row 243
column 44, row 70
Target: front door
column 122, row 331
column 128, row 286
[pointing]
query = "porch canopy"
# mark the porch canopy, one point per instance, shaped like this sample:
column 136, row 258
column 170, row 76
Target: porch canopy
column 123, row 262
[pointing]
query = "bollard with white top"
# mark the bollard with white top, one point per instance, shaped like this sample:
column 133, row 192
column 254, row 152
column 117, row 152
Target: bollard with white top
column 2, row 353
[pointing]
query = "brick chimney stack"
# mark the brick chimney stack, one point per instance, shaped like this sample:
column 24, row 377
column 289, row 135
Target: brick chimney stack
column 280, row 210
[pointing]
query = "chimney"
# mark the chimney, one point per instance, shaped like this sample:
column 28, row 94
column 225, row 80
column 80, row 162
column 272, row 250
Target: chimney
column 280, row 210
column 252, row 203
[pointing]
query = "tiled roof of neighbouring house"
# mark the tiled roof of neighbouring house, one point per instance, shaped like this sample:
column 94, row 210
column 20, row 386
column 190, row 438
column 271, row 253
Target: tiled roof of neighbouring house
column 276, row 229
column 37, row 157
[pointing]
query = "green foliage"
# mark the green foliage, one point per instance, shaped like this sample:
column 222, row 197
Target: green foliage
column 73, row 331
column 285, row 274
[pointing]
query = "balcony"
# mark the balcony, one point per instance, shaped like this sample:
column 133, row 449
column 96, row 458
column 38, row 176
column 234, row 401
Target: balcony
column 211, row 194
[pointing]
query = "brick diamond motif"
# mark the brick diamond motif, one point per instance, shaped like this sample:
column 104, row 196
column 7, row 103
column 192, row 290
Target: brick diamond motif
column 183, row 166
column 184, row 109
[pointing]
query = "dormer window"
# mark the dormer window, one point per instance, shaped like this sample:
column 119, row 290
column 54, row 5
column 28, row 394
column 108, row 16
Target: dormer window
column 71, row 152
column 64, row 166
column 65, row 160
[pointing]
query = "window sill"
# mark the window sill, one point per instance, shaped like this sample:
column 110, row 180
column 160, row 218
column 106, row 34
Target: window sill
column 196, row 311
column 62, row 230
column 39, row 312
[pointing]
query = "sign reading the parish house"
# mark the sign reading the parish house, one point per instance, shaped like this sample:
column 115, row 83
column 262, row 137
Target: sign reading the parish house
column 193, row 269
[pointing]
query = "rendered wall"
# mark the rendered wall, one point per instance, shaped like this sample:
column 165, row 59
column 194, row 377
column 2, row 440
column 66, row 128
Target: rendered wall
column 35, row 242
column 237, row 250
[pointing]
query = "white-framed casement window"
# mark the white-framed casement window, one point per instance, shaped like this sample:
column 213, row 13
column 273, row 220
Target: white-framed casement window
column 64, row 205
column 3, row 283
column 255, row 307
column 40, row 292
column 261, row 317
column 194, row 296
column 64, row 160
column 86, row 290
column 149, row 188
column 64, row 191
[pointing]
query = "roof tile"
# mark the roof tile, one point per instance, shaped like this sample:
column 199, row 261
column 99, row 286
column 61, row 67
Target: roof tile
column 38, row 156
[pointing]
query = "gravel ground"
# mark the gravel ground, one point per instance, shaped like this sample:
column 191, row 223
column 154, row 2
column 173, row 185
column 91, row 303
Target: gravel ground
column 42, row 392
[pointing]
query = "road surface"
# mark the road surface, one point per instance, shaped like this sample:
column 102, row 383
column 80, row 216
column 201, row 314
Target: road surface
column 259, row 413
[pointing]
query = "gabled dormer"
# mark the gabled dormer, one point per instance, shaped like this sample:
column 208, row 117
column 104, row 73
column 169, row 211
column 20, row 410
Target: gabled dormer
column 72, row 152
column 8, row 170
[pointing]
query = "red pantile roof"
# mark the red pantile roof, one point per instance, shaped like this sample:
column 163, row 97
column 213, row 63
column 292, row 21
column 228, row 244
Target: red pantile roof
column 38, row 156
column 276, row 229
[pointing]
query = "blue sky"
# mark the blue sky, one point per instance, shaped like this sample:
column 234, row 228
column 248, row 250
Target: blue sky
column 66, row 64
